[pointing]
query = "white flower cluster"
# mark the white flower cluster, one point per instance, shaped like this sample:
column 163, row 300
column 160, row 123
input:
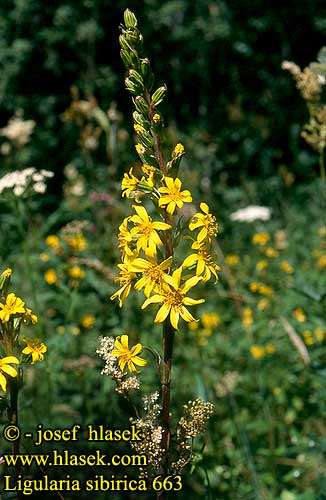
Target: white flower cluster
column 18, row 130
column 20, row 180
column 251, row 213
column 111, row 362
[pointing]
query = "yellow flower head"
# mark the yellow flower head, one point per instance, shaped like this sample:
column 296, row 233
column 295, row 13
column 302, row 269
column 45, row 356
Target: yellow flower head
column 7, row 273
column 127, row 356
column 76, row 272
column 178, row 150
column 51, row 276
column 153, row 277
column 232, row 260
column 30, row 317
column 321, row 262
column 77, row 242
column 172, row 196
column 173, row 299
column 207, row 223
column 210, row 320
column 88, row 321
column 261, row 265
column 271, row 252
column 140, row 149
column 13, row 305
column 205, row 264
column 286, row 267
column 7, row 369
column 35, row 348
column 247, row 318
column 257, row 351
column 139, row 129
column 129, row 184
column 125, row 279
column 299, row 315
column 260, row 238
column 52, row 241
column 156, row 118
column 145, row 231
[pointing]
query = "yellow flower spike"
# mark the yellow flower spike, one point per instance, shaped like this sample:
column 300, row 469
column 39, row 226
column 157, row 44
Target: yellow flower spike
column 129, row 184
column 205, row 265
column 14, row 305
column 172, row 196
column 173, row 299
column 156, row 118
column 7, row 369
column 145, row 231
column 206, row 222
column 127, row 356
column 35, row 348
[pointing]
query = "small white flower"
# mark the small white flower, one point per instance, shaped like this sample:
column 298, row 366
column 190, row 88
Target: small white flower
column 39, row 187
column 18, row 190
column 251, row 213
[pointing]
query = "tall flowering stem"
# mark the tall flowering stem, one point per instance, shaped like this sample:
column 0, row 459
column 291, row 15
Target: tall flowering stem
column 148, row 246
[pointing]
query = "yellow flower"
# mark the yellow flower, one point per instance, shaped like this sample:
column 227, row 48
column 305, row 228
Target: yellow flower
column 173, row 300
column 265, row 290
column 29, row 316
column 127, row 356
column 247, row 318
column 172, row 196
column 178, row 150
column 262, row 304
column 34, row 348
column 156, row 118
column 139, row 129
column 140, row 149
column 271, row 252
column 88, row 321
column 260, row 238
column 75, row 330
column 150, row 172
column 76, row 272
column 322, row 231
column 257, row 351
column 308, row 338
column 13, row 305
column 51, row 276
column 286, row 267
column 77, row 242
column 210, row 320
column 321, row 262
column 7, row 369
column 153, row 274
column 205, row 265
column 254, row 286
column 193, row 325
column 61, row 329
column 207, row 223
column 299, row 315
column 125, row 279
column 319, row 334
column 6, row 273
column 145, row 231
column 270, row 348
column 44, row 257
column 125, row 237
column 52, row 241
column 129, row 184
column 232, row 260
column 261, row 265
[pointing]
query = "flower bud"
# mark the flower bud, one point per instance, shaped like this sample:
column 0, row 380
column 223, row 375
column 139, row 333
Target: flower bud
column 158, row 95
column 130, row 19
